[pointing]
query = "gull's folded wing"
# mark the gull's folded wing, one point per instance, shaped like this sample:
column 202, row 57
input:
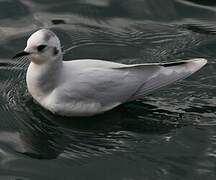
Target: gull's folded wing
column 166, row 74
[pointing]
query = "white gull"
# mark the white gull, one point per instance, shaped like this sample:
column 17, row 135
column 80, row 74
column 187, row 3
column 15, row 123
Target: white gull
column 87, row 87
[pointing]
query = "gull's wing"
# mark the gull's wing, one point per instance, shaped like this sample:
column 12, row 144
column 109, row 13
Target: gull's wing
column 168, row 73
column 113, row 84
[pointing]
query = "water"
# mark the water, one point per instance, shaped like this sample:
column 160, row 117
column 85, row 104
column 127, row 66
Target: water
column 170, row 134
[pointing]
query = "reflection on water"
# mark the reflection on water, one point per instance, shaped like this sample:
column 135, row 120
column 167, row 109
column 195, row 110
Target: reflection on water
column 168, row 135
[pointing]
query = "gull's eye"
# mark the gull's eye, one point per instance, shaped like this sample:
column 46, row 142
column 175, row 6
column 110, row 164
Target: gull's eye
column 41, row 47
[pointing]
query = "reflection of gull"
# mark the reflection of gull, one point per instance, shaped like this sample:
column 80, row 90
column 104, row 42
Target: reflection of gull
column 88, row 87
column 35, row 143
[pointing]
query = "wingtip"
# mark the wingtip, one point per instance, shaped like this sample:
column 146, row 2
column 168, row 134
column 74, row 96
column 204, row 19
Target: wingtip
column 197, row 63
column 200, row 61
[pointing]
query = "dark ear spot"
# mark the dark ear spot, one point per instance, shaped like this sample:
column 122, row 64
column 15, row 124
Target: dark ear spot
column 55, row 51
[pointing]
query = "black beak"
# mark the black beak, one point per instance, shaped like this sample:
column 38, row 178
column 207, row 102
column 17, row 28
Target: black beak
column 21, row 54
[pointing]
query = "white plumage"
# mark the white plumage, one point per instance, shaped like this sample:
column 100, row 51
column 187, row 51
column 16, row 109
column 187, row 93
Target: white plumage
column 87, row 87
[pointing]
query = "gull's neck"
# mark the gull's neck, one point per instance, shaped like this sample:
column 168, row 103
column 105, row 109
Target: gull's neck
column 43, row 78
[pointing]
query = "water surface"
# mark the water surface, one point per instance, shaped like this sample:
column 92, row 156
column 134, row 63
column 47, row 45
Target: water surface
column 170, row 134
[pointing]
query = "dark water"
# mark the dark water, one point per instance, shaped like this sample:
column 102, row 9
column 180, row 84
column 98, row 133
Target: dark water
column 169, row 135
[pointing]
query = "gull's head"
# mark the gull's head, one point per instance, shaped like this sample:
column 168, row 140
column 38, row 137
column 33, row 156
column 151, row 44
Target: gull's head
column 42, row 46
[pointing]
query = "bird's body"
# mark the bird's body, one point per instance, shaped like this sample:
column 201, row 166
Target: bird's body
column 87, row 87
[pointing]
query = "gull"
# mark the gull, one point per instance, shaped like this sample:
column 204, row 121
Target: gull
column 86, row 87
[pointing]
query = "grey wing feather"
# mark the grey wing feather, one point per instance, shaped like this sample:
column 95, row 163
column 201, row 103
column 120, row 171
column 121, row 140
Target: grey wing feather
column 166, row 74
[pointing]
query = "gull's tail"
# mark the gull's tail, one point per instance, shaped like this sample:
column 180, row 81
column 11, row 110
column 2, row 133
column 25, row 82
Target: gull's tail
column 167, row 73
